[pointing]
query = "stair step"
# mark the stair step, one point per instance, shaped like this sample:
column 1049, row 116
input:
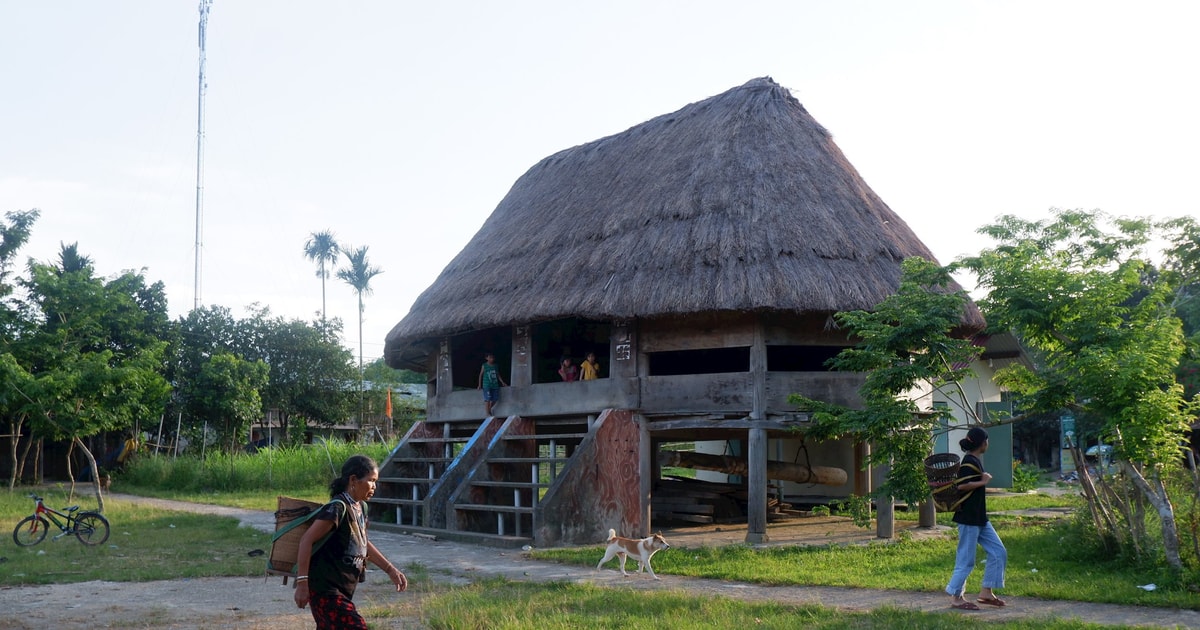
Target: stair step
column 391, row 501
column 412, row 480
column 548, row 436
column 437, row 440
column 421, row 460
column 509, row 484
column 480, row 507
column 478, row 538
column 526, row 460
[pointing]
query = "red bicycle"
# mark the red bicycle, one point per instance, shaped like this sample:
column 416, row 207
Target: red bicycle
column 91, row 528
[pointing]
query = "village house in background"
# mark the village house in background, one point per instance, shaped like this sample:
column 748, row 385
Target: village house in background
column 700, row 256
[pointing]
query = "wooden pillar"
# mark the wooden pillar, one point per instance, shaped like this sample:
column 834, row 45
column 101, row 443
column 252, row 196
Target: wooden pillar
column 623, row 356
column 756, row 448
column 927, row 517
column 445, row 375
column 521, row 371
column 646, row 457
column 756, row 504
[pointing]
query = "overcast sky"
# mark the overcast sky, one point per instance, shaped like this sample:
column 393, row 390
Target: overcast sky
column 401, row 125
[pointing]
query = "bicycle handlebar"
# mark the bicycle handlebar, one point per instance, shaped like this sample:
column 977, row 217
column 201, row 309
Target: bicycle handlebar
column 35, row 497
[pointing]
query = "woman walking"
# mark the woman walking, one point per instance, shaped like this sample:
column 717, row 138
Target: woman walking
column 975, row 529
column 327, row 575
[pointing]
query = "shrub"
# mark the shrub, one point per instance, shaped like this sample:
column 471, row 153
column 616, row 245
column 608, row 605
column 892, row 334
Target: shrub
column 1025, row 477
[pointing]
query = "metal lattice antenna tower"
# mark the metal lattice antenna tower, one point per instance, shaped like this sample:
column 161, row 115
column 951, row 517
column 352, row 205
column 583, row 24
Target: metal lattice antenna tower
column 205, row 5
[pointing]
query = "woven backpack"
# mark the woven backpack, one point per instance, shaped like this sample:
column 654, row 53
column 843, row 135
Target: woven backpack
column 941, row 470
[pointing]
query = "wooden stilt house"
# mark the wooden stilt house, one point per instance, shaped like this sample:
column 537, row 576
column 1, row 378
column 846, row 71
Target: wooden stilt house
column 700, row 256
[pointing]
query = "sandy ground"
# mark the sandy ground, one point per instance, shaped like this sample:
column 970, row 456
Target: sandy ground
column 265, row 603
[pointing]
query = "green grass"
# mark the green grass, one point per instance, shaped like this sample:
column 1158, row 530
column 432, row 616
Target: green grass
column 151, row 544
column 1044, row 561
column 144, row 544
column 501, row 604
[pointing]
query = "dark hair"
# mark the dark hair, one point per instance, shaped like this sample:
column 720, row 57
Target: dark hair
column 357, row 466
column 975, row 438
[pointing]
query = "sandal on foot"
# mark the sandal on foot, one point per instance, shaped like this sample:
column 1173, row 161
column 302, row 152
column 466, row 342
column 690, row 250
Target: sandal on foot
column 965, row 606
column 991, row 601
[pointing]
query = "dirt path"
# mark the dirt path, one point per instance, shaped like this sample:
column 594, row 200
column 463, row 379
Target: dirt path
column 266, row 603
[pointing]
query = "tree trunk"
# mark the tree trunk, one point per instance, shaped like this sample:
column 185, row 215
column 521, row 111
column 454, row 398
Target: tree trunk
column 738, row 466
column 95, row 475
column 1156, row 494
column 14, row 439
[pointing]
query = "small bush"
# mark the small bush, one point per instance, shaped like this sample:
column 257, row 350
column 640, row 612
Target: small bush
column 1025, row 477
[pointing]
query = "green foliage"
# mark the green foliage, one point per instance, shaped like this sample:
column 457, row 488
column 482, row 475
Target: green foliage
column 225, row 395
column 857, row 507
column 92, row 348
column 309, row 369
column 1080, row 290
column 1025, row 477
column 904, row 343
column 323, row 249
column 298, row 470
column 380, row 373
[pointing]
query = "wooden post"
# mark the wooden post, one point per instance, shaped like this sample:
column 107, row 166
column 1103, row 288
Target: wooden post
column 623, row 356
column 927, row 515
column 756, row 504
column 756, row 448
column 445, row 375
column 521, row 371
column 645, row 473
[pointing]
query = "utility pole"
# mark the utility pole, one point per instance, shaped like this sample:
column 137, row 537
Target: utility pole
column 205, row 5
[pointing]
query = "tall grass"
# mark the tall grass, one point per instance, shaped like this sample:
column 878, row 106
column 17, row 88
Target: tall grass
column 302, row 471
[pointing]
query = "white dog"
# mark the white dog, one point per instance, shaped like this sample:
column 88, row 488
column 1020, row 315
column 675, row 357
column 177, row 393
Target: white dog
column 642, row 549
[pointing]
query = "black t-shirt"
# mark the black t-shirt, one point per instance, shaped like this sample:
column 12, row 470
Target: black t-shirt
column 974, row 509
column 337, row 564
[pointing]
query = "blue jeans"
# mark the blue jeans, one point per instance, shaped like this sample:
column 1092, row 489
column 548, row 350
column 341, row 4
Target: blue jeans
column 964, row 560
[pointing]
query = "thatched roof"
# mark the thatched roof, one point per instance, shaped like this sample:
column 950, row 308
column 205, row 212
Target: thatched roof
column 739, row 202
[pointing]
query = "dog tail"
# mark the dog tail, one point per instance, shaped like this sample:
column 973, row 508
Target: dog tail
column 612, row 533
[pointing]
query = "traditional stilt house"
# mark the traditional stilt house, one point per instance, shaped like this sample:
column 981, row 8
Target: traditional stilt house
column 700, row 256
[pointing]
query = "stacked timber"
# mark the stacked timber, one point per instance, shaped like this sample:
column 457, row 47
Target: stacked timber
column 683, row 500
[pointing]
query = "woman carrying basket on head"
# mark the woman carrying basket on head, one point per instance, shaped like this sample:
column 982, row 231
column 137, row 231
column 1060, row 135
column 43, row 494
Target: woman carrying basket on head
column 975, row 529
column 327, row 576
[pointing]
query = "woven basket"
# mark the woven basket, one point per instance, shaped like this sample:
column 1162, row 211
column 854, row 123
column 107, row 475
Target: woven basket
column 284, row 550
column 941, row 468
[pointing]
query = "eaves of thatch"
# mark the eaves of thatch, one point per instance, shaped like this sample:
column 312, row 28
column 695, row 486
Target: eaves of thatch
column 740, row 202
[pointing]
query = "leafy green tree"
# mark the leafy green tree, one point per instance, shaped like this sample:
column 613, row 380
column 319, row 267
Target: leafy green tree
column 309, row 368
column 358, row 273
column 225, row 395
column 15, row 380
column 905, row 345
column 1082, row 291
column 95, row 360
column 323, row 249
column 380, row 373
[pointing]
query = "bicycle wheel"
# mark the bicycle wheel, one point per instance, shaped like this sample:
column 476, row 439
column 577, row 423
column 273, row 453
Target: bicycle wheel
column 30, row 531
column 91, row 528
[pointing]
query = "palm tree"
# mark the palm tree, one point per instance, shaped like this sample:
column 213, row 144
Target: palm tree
column 358, row 275
column 322, row 247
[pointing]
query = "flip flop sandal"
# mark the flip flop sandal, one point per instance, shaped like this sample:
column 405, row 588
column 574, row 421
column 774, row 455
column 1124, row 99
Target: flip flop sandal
column 991, row 601
column 965, row 606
